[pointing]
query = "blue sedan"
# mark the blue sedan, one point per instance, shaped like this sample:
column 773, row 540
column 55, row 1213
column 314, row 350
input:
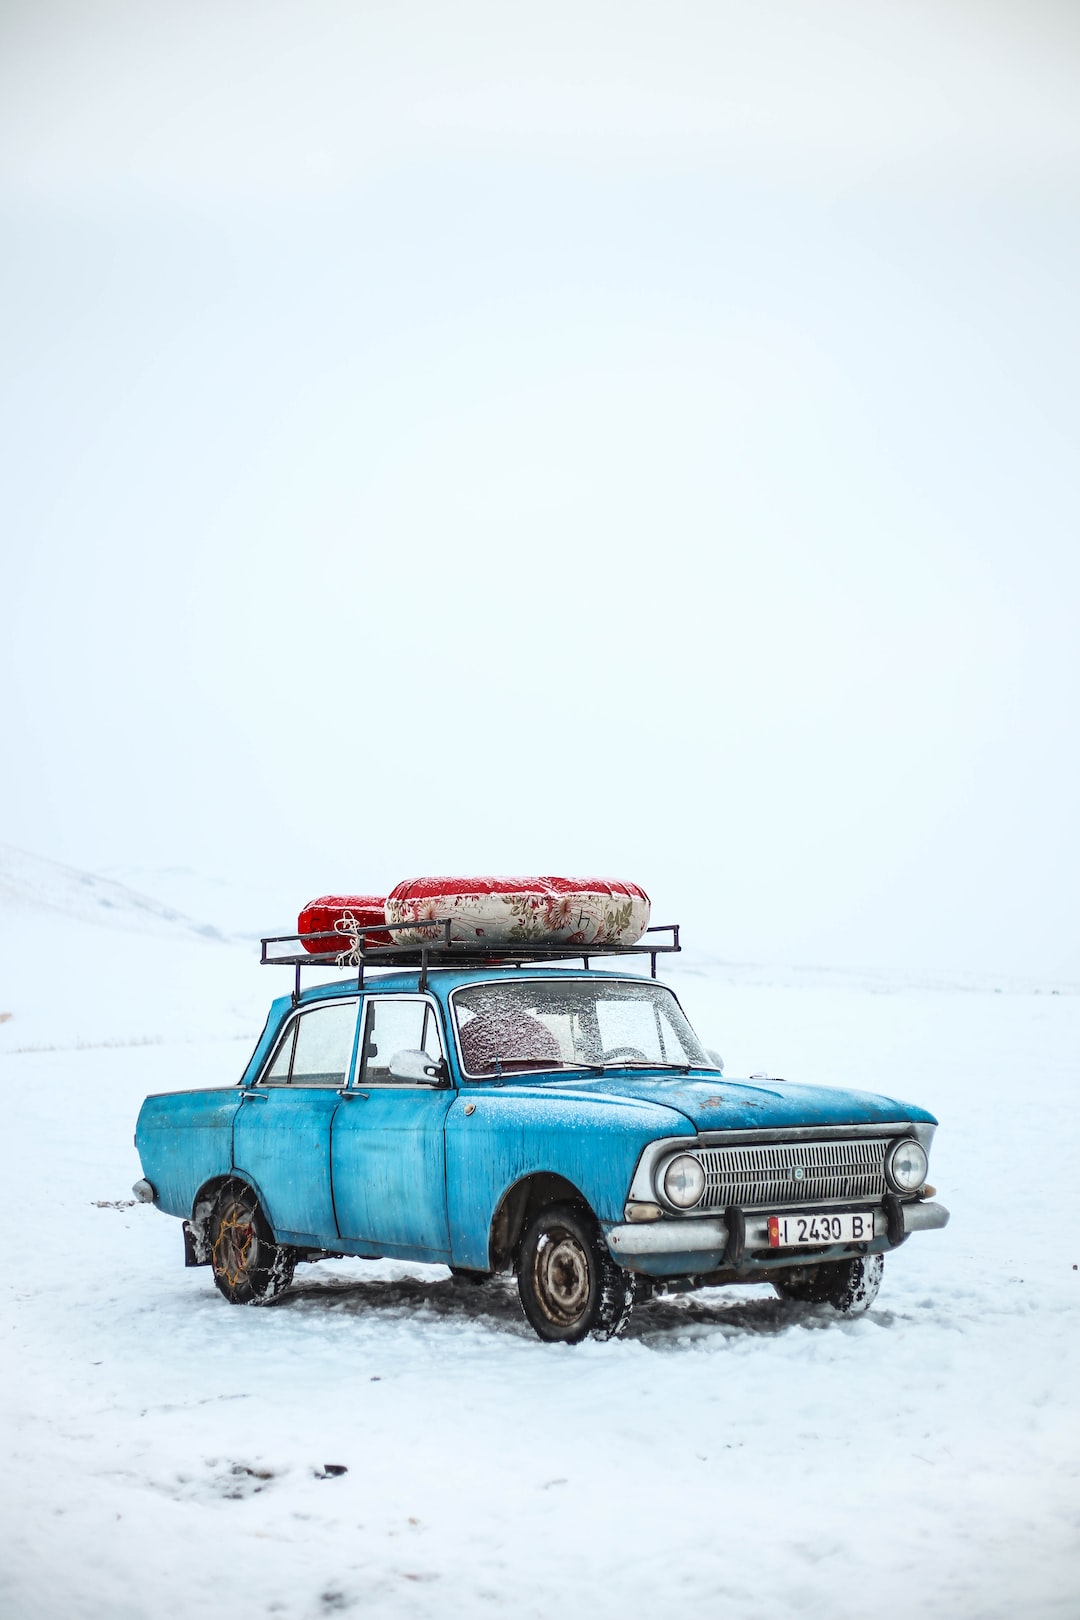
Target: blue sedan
column 564, row 1124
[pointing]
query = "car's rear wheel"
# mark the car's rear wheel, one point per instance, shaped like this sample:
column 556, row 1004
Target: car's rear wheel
column 567, row 1281
column 249, row 1267
column 849, row 1286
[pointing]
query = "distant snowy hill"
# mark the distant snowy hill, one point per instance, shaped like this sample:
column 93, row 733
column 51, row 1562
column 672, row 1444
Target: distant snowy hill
column 240, row 909
column 87, row 961
column 33, row 881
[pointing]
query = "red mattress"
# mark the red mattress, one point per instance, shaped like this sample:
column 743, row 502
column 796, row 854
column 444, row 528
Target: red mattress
column 342, row 912
column 503, row 911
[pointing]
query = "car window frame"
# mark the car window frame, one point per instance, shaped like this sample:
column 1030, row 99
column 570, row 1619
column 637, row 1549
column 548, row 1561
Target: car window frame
column 371, row 999
column 467, row 1075
column 289, row 1031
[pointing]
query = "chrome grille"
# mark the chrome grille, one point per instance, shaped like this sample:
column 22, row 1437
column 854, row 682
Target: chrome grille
column 768, row 1175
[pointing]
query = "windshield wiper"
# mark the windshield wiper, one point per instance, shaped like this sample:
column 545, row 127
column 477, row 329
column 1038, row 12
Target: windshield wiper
column 504, row 1066
column 640, row 1063
column 562, row 1065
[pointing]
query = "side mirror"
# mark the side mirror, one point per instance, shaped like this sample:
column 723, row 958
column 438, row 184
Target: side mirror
column 417, row 1068
column 714, row 1057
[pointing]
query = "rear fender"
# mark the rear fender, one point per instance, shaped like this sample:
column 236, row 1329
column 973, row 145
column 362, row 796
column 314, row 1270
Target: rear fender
column 184, row 1140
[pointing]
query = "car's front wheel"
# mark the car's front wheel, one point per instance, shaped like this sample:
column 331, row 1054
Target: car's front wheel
column 849, row 1286
column 249, row 1267
column 568, row 1283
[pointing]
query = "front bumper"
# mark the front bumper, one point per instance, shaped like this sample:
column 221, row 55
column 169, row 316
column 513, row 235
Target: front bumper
column 672, row 1247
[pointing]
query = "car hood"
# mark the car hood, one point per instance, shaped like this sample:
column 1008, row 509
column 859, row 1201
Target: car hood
column 714, row 1103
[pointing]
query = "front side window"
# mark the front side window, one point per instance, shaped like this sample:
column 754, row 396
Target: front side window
column 539, row 1024
column 393, row 1026
column 317, row 1048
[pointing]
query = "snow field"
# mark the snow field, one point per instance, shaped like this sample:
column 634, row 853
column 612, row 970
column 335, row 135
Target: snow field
column 731, row 1456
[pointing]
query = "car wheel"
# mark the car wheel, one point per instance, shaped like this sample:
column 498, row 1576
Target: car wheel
column 849, row 1286
column 568, row 1283
column 249, row 1267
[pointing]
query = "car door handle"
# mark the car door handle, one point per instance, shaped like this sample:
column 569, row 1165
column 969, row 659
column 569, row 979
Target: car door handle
column 348, row 1092
column 254, row 1096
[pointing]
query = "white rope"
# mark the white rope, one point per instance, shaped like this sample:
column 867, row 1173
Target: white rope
column 348, row 924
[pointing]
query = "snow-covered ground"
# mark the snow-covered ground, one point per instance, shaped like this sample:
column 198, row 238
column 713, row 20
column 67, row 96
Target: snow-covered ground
column 732, row 1456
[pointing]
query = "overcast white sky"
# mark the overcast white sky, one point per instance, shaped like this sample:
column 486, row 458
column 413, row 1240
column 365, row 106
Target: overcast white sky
column 635, row 439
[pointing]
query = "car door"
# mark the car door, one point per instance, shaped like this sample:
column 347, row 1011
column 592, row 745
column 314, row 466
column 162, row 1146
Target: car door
column 281, row 1137
column 389, row 1157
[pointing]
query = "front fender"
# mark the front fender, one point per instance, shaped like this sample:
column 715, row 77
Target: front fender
column 495, row 1138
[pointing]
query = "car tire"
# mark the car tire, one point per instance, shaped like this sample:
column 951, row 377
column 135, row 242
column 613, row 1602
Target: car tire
column 849, row 1286
column 569, row 1285
column 249, row 1267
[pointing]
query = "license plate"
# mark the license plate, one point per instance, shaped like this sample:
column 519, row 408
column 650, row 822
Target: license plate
column 801, row 1231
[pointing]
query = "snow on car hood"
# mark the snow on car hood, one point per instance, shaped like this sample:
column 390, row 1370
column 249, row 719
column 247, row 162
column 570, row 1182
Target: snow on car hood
column 714, row 1103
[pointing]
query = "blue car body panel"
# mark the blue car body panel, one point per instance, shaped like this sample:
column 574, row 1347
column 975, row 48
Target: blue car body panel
column 185, row 1139
column 420, row 1172
column 390, row 1171
column 516, row 1130
column 710, row 1102
column 281, row 1145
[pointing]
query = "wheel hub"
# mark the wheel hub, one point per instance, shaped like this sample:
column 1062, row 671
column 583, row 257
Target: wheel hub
column 232, row 1247
column 562, row 1277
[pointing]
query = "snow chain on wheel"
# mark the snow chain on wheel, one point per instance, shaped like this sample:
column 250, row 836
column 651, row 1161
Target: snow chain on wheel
column 568, row 1283
column 249, row 1267
column 849, row 1286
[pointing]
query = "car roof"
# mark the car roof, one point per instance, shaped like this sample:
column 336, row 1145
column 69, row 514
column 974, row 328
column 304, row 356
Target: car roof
column 441, row 981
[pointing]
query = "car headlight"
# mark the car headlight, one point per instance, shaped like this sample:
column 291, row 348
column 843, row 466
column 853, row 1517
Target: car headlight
column 683, row 1181
column 906, row 1165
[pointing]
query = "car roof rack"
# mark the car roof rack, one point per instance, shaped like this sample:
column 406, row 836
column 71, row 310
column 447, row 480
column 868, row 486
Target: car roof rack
column 440, row 952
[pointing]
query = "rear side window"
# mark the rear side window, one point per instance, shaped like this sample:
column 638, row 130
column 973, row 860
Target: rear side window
column 317, row 1048
column 278, row 1072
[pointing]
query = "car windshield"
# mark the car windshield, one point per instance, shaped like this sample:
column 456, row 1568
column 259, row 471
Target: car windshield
column 537, row 1024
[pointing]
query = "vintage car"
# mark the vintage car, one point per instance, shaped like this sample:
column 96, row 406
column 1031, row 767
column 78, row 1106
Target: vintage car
column 558, row 1121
